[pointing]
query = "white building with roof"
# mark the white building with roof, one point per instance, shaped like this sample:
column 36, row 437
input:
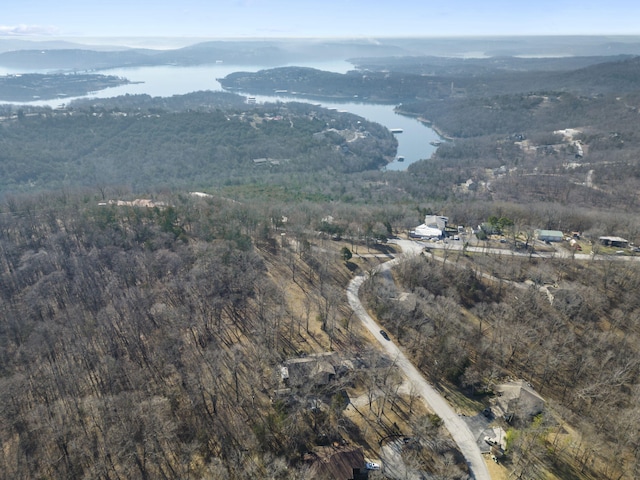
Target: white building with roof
column 433, row 226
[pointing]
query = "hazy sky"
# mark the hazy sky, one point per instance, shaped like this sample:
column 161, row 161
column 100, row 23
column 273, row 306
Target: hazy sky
column 314, row 18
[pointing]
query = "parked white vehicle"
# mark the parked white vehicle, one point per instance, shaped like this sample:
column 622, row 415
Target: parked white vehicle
column 372, row 466
column 491, row 441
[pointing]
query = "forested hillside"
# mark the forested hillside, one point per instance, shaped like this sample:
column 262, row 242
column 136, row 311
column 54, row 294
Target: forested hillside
column 147, row 143
column 442, row 80
column 519, row 130
column 137, row 343
column 147, row 342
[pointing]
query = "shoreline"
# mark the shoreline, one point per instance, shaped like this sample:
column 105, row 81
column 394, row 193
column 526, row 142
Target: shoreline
column 426, row 121
column 435, row 128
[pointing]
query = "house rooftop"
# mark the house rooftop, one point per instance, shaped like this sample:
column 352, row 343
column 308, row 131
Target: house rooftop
column 517, row 389
column 520, row 398
column 318, row 369
column 337, row 463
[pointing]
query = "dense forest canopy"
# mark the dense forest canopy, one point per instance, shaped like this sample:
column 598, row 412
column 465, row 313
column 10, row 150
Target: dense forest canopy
column 148, row 143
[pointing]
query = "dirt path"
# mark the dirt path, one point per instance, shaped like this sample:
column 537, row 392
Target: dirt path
column 454, row 424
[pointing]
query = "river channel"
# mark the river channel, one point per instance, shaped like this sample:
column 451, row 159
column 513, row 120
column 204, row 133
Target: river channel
column 414, row 143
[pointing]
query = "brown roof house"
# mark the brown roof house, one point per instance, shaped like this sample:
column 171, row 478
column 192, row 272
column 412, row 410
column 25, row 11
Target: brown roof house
column 337, row 463
column 316, row 370
column 517, row 400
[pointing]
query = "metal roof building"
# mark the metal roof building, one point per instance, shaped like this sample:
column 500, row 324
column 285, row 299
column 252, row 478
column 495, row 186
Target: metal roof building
column 549, row 235
column 617, row 242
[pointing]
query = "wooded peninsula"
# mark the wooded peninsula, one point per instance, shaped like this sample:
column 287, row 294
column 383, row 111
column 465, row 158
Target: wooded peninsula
column 27, row 87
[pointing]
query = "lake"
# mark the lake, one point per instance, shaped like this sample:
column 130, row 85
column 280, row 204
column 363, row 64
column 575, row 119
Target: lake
column 165, row 81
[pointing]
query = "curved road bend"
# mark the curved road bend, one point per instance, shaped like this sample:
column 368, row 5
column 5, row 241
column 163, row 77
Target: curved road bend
column 454, row 424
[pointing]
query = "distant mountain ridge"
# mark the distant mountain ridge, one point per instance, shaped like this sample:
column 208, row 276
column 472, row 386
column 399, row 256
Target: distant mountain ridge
column 68, row 55
column 14, row 44
column 233, row 52
column 74, row 59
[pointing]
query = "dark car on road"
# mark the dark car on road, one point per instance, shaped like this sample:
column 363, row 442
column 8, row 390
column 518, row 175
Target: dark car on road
column 384, row 335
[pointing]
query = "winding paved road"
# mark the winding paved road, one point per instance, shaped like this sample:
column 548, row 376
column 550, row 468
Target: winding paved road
column 456, row 426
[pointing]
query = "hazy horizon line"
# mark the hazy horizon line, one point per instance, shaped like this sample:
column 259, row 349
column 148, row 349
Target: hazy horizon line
column 162, row 42
column 276, row 37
